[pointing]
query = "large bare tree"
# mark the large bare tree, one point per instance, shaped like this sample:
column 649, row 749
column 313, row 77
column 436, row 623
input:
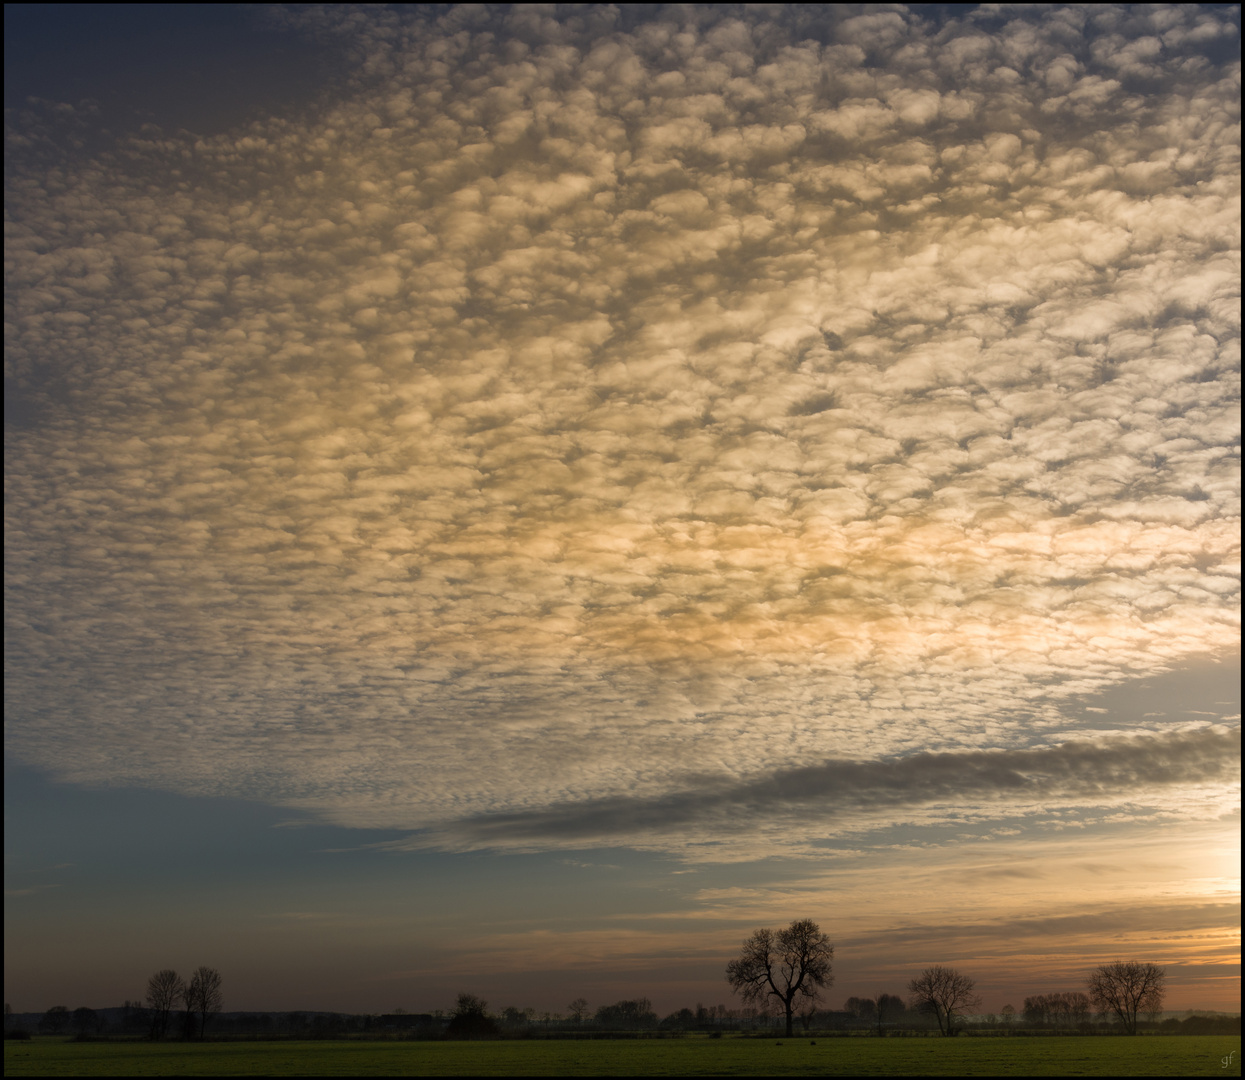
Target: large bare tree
column 1127, row 987
column 944, row 992
column 203, row 995
column 783, row 964
column 164, row 989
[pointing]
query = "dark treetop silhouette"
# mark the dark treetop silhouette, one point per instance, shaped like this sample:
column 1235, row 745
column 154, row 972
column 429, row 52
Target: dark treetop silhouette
column 783, row 964
column 470, row 1019
column 203, row 995
column 944, row 992
column 164, row 990
column 1126, row 988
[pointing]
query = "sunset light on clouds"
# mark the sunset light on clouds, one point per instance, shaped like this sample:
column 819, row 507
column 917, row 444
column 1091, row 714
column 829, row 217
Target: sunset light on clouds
column 606, row 479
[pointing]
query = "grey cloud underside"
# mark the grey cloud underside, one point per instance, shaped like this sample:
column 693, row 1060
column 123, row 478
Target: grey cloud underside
column 1133, row 769
column 572, row 405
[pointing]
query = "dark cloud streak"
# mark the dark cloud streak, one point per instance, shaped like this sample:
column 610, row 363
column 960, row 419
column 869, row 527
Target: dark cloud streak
column 1093, row 771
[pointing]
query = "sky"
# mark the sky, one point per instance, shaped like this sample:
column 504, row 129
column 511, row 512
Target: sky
column 511, row 500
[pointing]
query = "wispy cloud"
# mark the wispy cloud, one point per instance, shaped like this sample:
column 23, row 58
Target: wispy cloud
column 31, row 890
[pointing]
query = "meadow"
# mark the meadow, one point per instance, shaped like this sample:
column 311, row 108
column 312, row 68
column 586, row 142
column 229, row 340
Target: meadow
column 1205, row 1055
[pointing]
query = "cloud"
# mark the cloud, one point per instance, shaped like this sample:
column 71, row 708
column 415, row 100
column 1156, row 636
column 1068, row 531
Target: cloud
column 853, row 796
column 578, row 401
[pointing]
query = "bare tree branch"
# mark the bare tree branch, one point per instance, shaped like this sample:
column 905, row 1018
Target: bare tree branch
column 944, row 992
column 203, row 995
column 783, row 965
column 164, row 989
column 1127, row 987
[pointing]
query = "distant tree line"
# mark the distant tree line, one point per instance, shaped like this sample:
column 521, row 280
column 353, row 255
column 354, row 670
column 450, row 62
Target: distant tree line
column 513, row 1022
column 526, row 1023
column 780, row 975
column 1062, row 1010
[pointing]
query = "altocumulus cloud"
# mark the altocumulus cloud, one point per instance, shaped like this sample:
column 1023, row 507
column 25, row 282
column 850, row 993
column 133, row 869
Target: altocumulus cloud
column 579, row 403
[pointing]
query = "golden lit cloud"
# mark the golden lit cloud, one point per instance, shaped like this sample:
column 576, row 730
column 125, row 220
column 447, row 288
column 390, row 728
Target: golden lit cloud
column 575, row 408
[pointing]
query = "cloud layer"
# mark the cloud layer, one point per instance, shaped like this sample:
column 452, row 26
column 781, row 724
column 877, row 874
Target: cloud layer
column 581, row 403
column 853, row 797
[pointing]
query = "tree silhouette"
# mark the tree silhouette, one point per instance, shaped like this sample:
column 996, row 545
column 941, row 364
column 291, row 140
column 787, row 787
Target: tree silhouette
column 944, row 992
column 469, row 1018
column 85, row 1020
column 1127, row 987
column 203, row 995
column 164, row 989
column 861, row 1008
column 784, row 965
column 889, row 1007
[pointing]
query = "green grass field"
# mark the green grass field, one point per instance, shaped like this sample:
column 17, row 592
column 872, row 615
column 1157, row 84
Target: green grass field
column 1197, row 1055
